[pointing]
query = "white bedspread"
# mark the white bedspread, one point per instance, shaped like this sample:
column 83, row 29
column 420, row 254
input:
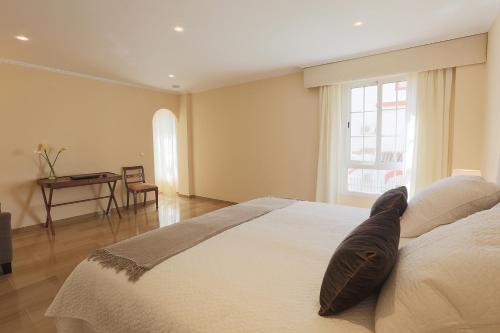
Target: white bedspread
column 262, row 276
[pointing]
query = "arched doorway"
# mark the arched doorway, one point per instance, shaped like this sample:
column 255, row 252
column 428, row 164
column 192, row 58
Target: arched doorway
column 165, row 151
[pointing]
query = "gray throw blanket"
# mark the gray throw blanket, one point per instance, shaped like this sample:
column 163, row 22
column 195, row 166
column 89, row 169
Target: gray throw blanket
column 141, row 253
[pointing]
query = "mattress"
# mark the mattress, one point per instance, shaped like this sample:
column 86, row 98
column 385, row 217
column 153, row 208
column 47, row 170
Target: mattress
column 262, row 276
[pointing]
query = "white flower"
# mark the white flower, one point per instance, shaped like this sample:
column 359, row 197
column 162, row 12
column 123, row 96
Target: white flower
column 43, row 147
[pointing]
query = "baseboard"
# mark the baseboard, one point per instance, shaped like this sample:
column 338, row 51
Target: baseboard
column 73, row 219
column 188, row 196
column 193, row 196
column 212, row 199
column 79, row 218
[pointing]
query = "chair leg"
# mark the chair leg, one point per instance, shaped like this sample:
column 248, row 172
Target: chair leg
column 156, row 198
column 128, row 196
column 135, row 202
column 7, row 268
column 144, row 204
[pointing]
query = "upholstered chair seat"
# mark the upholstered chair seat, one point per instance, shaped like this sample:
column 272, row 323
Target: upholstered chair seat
column 141, row 187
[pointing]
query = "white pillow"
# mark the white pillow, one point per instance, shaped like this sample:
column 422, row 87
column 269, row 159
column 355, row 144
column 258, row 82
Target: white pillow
column 447, row 280
column 447, row 201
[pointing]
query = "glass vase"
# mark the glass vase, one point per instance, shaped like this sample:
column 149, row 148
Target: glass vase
column 52, row 174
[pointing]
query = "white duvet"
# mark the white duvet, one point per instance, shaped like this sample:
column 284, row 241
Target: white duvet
column 262, row 276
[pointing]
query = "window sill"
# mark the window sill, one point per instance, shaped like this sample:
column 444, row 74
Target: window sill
column 360, row 194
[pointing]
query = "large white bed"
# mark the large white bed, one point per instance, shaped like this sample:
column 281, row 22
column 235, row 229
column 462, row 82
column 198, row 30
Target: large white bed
column 261, row 276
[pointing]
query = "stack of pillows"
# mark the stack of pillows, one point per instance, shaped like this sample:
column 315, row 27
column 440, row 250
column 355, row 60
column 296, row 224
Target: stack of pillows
column 447, row 279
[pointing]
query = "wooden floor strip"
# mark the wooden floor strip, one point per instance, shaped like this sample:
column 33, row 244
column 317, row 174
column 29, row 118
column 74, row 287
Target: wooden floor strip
column 41, row 264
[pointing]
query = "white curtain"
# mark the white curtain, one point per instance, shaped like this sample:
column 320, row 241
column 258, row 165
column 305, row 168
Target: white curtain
column 433, row 111
column 165, row 151
column 411, row 135
column 329, row 162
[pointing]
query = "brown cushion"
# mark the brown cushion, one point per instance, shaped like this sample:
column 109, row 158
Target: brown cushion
column 138, row 187
column 397, row 198
column 361, row 263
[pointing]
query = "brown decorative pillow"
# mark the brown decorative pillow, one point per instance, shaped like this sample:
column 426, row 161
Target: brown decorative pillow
column 361, row 263
column 397, row 198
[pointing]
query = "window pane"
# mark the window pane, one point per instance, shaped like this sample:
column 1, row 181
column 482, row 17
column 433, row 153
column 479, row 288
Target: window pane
column 357, row 100
column 371, row 98
column 387, row 149
column 370, row 149
column 370, row 179
column 363, row 175
column 389, row 96
column 389, row 179
column 373, row 181
column 354, row 179
column 388, row 122
column 399, row 150
column 356, row 149
column 401, row 89
column 370, row 125
column 356, row 124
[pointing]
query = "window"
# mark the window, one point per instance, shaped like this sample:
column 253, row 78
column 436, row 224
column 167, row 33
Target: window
column 376, row 135
column 165, row 150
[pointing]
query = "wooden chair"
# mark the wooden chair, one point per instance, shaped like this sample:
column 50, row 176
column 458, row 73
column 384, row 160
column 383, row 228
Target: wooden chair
column 135, row 182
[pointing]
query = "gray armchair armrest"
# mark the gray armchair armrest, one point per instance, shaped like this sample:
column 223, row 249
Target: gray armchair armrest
column 5, row 243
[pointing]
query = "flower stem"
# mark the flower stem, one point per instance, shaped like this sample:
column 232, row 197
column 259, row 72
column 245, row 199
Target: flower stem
column 57, row 156
column 52, row 173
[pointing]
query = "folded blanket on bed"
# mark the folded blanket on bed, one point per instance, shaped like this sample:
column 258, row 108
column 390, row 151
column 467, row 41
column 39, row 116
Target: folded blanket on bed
column 141, row 253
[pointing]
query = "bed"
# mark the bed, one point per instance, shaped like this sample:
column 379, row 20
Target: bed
column 261, row 276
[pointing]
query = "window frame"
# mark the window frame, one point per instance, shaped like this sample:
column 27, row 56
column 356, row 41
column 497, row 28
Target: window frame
column 346, row 132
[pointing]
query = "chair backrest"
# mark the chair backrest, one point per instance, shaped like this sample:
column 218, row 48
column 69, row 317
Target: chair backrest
column 133, row 174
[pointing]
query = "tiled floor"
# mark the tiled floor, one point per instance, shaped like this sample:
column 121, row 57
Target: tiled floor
column 41, row 264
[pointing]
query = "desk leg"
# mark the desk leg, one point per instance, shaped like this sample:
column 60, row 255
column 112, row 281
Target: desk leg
column 112, row 198
column 48, row 206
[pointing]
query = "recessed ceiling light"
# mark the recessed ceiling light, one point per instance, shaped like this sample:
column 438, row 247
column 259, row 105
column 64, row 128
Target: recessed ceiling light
column 358, row 24
column 171, row 75
column 23, row 38
column 178, row 29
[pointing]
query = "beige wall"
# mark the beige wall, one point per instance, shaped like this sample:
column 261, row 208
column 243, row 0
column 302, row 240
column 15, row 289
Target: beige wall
column 185, row 149
column 470, row 87
column 491, row 162
column 235, row 143
column 256, row 139
column 261, row 138
column 105, row 126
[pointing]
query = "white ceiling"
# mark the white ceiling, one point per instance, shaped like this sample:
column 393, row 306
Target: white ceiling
column 225, row 41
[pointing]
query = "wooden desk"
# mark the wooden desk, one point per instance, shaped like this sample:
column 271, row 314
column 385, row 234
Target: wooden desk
column 67, row 182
